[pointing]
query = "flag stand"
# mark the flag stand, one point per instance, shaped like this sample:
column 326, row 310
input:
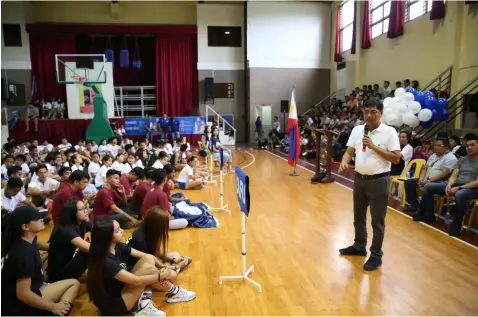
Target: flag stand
column 221, row 195
column 245, row 273
column 294, row 173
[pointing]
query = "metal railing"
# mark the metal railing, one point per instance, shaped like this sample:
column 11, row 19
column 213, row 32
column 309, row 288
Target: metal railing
column 321, row 103
column 442, row 82
column 221, row 123
column 134, row 101
column 455, row 108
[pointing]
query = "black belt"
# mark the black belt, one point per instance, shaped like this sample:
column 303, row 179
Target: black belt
column 370, row 177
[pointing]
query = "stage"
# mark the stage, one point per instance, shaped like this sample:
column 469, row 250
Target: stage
column 71, row 129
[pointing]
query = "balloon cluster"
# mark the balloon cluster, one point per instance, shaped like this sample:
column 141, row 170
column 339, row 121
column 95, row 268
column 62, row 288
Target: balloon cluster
column 413, row 108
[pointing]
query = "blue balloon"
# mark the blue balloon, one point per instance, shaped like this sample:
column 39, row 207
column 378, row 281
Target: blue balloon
column 420, row 97
column 430, row 103
column 444, row 116
column 412, row 90
column 443, row 103
column 427, row 124
column 436, row 115
column 430, row 94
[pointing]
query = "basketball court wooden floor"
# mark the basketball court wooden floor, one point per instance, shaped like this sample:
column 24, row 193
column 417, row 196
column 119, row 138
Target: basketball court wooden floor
column 294, row 232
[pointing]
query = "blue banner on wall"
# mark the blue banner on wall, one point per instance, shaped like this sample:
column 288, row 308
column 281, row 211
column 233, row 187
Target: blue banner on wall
column 188, row 125
column 242, row 190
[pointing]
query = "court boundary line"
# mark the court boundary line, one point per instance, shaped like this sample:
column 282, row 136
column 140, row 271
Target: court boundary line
column 396, row 210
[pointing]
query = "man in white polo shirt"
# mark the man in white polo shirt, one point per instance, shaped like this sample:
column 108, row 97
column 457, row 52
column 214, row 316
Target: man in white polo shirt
column 374, row 151
column 43, row 188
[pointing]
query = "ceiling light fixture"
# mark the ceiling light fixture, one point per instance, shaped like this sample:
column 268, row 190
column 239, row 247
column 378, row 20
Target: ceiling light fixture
column 227, row 32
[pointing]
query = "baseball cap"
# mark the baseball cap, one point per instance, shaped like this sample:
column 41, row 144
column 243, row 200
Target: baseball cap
column 24, row 215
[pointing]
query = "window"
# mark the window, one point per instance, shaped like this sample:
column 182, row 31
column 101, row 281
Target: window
column 224, row 36
column 416, row 8
column 12, row 35
column 379, row 16
column 346, row 25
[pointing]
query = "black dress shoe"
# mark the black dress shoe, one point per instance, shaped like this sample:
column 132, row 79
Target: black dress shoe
column 372, row 263
column 424, row 218
column 410, row 209
column 455, row 232
column 353, row 251
column 417, row 213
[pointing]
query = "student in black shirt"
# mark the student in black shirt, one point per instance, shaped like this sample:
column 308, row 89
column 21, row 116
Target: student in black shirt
column 68, row 252
column 113, row 289
column 23, row 290
column 152, row 238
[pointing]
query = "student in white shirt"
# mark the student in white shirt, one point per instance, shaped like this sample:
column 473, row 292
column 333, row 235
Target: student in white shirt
column 76, row 163
column 64, row 145
column 130, row 164
column 9, row 160
column 11, row 197
column 101, row 175
column 43, row 188
column 94, row 166
column 94, row 146
column 406, row 154
column 112, row 148
column 374, row 152
column 102, row 148
column 118, row 163
column 162, row 160
column 187, row 179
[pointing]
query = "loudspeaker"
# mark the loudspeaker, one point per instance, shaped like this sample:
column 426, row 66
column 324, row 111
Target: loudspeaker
column 284, row 106
column 209, row 87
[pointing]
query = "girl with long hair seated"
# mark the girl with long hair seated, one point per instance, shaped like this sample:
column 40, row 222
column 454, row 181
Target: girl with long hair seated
column 23, row 290
column 215, row 146
column 68, row 249
column 112, row 288
column 152, row 238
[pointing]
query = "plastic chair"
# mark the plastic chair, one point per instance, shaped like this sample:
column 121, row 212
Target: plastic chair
column 448, row 199
column 400, row 180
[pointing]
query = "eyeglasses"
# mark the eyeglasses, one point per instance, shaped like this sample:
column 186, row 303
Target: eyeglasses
column 370, row 112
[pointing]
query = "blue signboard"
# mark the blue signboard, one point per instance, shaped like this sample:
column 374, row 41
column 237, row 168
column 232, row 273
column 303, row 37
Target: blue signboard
column 188, row 125
column 242, row 190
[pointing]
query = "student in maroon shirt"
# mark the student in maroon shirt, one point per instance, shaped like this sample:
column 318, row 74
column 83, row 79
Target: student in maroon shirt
column 128, row 180
column 107, row 199
column 142, row 188
column 78, row 182
column 64, row 172
column 156, row 197
column 171, row 174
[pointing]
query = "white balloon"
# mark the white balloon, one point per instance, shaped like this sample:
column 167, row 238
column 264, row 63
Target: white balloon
column 414, row 107
column 398, row 122
column 399, row 92
column 408, row 118
column 396, row 99
column 399, row 109
column 415, row 123
column 387, row 102
column 391, row 118
column 409, row 97
column 425, row 115
column 387, row 110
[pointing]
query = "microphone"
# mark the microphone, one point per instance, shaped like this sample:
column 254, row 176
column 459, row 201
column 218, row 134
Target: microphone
column 365, row 133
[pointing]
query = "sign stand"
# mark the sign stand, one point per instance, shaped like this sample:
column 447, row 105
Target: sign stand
column 221, row 185
column 242, row 183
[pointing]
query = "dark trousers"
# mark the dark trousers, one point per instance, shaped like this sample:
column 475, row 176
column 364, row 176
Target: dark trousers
column 373, row 193
column 261, row 144
column 411, row 186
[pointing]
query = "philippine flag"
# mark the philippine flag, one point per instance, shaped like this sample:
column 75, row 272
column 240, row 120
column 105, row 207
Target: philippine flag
column 294, row 133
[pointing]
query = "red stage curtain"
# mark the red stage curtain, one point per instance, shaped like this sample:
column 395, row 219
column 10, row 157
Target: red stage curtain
column 354, row 29
column 43, row 48
column 176, row 74
column 337, row 53
column 438, row 10
column 366, row 32
column 397, row 19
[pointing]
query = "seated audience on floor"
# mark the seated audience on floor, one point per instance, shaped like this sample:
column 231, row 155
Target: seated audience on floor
column 187, row 178
column 262, row 140
column 216, row 145
column 77, row 183
column 437, row 170
column 68, row 251
column 113, row 287
column 274, row 141
column 152, row 238
column 142, row 189
column 130, row 179
column 462, row 185
column 43, row 188
column 24, row 292
column 101, row 175
column 15, row 171
column 170, row 181
column 108, row 200
column 284, row 143
column 12, row 197
column 202, row 170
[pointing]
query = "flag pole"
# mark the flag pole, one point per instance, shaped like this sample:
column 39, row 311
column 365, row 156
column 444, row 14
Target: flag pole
column 294, row 173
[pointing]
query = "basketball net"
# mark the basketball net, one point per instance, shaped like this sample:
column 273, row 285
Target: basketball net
column 79, row 80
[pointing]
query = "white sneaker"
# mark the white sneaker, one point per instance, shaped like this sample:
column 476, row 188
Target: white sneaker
column 181, row 296
column 150, row 310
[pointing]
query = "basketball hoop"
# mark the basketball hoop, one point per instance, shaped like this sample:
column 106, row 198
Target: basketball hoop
column 79, row 80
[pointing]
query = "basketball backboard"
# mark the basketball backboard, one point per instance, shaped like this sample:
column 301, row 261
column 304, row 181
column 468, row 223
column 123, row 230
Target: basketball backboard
column 89, row 66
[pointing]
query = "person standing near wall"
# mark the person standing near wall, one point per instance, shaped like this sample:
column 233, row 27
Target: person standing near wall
column 374, row 151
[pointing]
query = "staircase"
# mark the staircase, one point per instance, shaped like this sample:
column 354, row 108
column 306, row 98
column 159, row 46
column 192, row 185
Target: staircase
column 456, row 106
column 441, row 83
column 227, row 133
column 324, row 103
column 135, row 101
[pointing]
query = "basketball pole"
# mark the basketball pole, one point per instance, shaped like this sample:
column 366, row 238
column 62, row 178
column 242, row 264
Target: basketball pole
column 221, row 195
column 245, row 273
